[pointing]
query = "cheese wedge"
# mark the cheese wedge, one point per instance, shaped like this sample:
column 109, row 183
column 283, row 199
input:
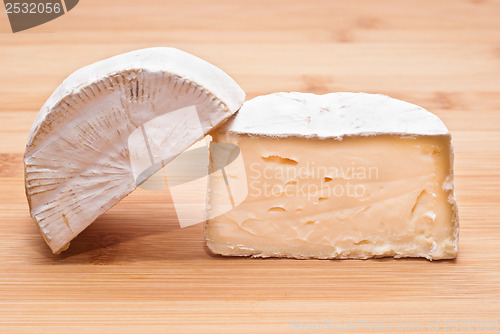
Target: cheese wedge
column 335, row 176
column 111, row 125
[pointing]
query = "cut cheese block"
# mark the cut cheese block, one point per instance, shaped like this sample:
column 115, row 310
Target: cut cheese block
column 341, row 175
column 111, row 125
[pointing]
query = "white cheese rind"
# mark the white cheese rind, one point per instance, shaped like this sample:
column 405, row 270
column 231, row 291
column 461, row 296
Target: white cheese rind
column 154, row 60
column 77, row 159
column 333, row 115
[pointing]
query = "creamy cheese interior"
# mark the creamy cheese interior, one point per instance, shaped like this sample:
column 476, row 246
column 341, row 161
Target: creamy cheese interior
column 359, row 197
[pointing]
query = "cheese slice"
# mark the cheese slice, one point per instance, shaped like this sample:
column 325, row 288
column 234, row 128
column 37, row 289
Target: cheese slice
column 341, row 175
column 111, row 125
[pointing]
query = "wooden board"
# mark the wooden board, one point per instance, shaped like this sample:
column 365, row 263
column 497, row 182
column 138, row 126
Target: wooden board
column 134, row 270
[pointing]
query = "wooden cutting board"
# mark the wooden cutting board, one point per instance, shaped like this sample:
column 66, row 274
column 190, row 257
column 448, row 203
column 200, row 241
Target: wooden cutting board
column 136, row 271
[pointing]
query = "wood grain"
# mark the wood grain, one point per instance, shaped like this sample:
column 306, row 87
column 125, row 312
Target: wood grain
column 134, row 270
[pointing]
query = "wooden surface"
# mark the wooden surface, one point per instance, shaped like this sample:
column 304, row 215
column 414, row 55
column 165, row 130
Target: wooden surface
column 135, row 271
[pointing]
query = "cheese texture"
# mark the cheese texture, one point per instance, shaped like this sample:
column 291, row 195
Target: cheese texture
column 341, row 175
column 111, row 125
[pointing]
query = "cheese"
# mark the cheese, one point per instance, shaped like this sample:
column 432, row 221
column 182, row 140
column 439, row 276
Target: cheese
column 341, row 175
column 111, row 125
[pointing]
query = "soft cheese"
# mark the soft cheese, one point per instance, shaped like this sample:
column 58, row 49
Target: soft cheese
column 341, row 175
column 111, row 125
